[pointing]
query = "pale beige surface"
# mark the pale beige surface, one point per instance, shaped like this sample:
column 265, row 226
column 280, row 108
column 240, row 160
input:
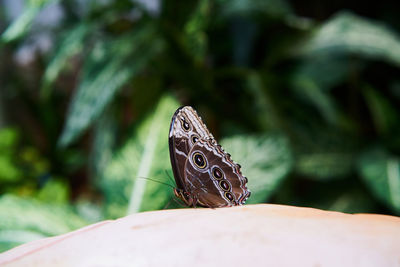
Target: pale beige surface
column 253, row 235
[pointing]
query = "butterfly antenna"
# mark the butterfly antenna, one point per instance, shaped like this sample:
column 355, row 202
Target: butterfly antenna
column 170, row 178
column 156, row 181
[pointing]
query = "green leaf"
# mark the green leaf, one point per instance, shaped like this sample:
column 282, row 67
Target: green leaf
column 326, row 71
column 91, row 211
column 103, row 143
column 263, row 103
column 310, row 91
column 348, row 196
column 8, row 138
column 110, row 66
column 12, row 238
column 271, row 8
column 25, row 219
column 325, row 165
column 23, row 23
column 54, row 191
column 385, row 116
column 265, row 161
column 353, row 200
column 71, row 44
column 324, row 153
column 10, row 171
column 145, row 155
column 349, row 33
column 196, row 38
column 314, row 78
column 381, row 173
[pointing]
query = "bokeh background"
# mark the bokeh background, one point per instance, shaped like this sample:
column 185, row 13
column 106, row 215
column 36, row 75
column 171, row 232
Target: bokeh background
column 305, row 95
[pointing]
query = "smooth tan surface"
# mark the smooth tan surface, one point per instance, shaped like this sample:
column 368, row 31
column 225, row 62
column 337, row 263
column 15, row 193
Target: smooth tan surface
column 252, row 235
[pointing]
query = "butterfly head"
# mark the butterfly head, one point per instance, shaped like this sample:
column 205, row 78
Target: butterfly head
column 184, row 196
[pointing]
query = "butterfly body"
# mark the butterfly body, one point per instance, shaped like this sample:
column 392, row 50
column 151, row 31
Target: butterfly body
column 205, row 174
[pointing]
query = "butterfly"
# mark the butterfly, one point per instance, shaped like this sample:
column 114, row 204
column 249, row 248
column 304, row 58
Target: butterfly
column 205, row 174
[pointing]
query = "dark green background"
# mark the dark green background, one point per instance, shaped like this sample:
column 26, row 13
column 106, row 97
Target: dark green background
column 305, row 95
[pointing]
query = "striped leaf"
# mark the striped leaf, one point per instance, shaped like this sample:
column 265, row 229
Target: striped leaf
column 349, row 33
column 265, row 161
column 110, row 65
column 381, row 172
column 26, row 219
column 23, row 23
column 128, row 180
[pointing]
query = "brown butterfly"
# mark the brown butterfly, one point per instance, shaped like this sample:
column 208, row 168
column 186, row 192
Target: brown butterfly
column 205, row 174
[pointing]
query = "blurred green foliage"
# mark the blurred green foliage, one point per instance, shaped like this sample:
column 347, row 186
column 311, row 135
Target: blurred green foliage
column 304, row 96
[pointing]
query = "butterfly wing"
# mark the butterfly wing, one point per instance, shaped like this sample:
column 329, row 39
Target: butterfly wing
column 213, row 179
column 185, row 130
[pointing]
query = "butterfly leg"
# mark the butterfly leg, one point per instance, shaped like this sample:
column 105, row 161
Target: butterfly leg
column 194, row 203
